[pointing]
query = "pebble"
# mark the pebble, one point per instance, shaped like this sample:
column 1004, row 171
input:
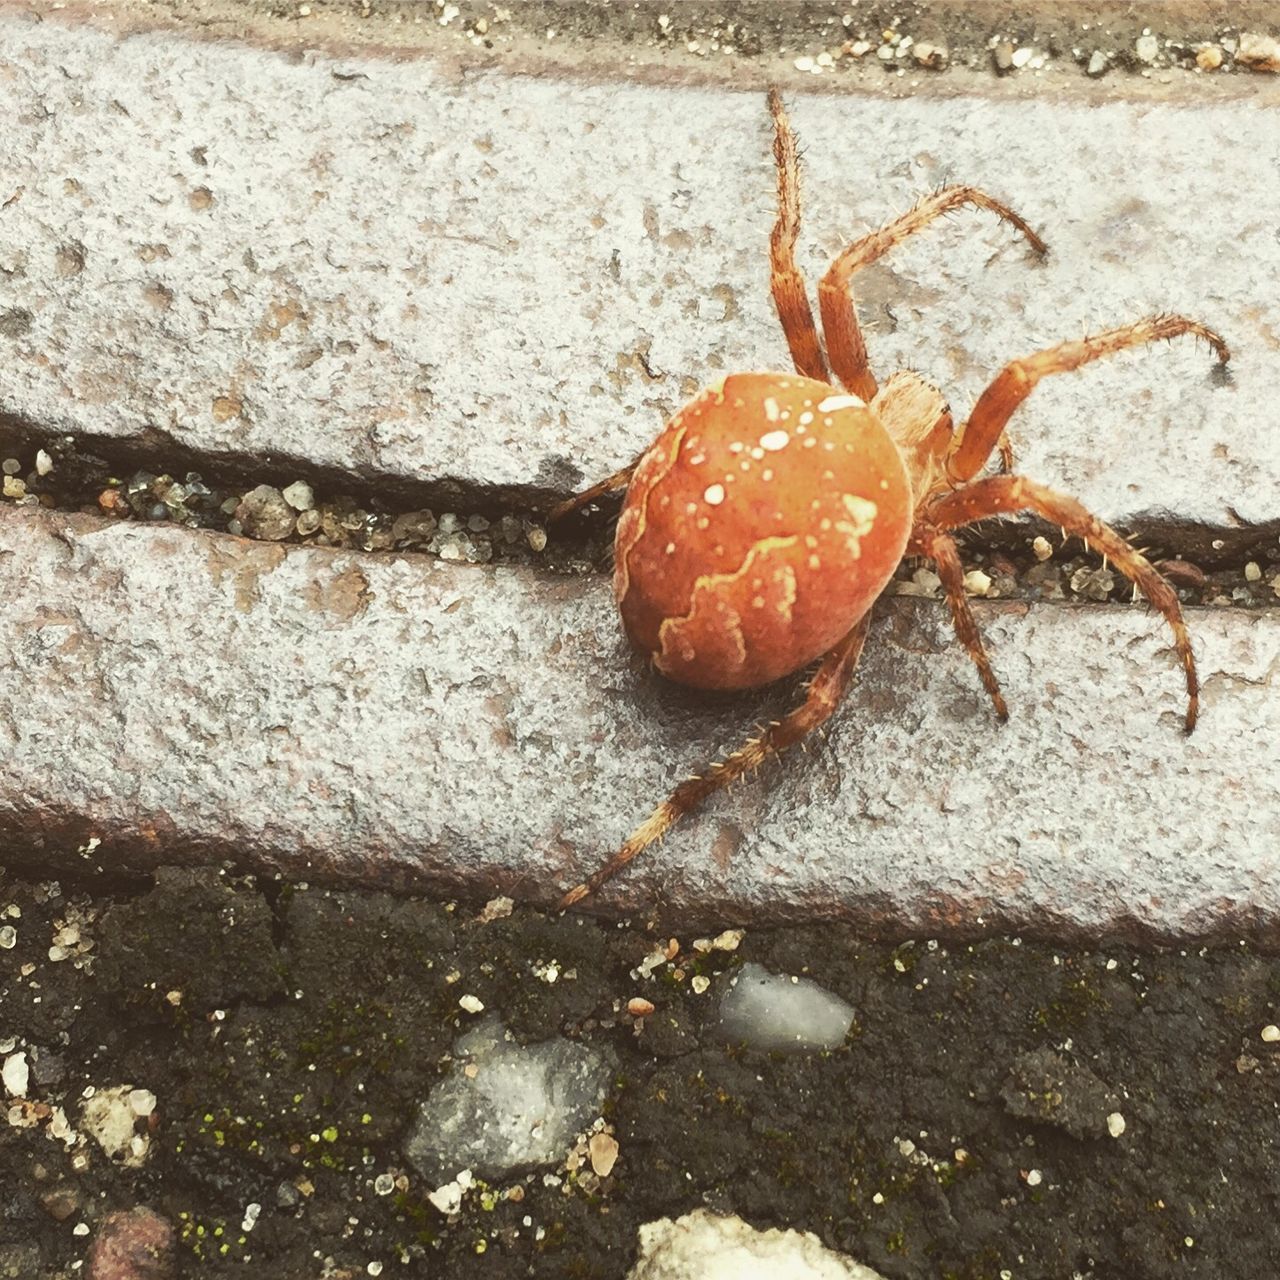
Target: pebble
column 931, row 56
column 8, row 937
column 603, row 1150
column 300, row 496
column 1115, row 1124
column 1097, row 67
column 1042, row 548
column 44, row 463
column 1209, row 57
column 537, row 537
column 1003, row 55
column 639, row 1007
column 1147, row 48
column 1271, row 1033
column 1258, row 52
column 14, row 488
column 264, row 514
column 1093, row 584
column 472, row 1004
column 10, row 466
column 1253, row 571
column 16, row 1075
column 1020, row 57
column 136, row 1244
column 977, row 583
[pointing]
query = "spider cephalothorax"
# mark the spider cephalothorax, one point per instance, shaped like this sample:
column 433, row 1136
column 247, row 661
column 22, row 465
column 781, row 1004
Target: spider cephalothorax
column 772, row 510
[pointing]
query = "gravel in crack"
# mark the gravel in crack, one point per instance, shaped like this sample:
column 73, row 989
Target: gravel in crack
column 263, row 1050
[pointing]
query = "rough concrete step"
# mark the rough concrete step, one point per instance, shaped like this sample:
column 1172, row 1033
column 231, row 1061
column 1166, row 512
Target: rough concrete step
column 365, row 265
column 395, row 720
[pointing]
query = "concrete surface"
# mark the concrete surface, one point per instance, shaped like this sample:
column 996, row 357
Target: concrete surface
column 405, row 274
column 395, row 720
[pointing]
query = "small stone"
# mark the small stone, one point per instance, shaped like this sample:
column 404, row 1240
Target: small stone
column 8, row 937
column 1271, row 1033
column 1115, row 1124
column 1020, row 57
column 860, row 48
column 496, row 909
column 927, row 580
column 804, row 64
column 1147, row 48
column 729, row 940
column 44, row 463
column 1209, row 57
column 931, row 56
column 384, row 1184
column 14, row 488
column 699, row 982
column 639, row 1007
column 299, row 495
column 16, row 1075
column 136, row 1244
column 537, row 537
column 977, row 583
column 472, row 1004
column 603, row 1150
column 1042, row 548
column 449, row 523
column 264, row 514
column 1258, row 52
column 1253, row 572
column 10, row 466
column 1034, row 1178
column 142, row 1102
column 1097, row 64
column 308, row 522
column 1093, row 584
column 61, row 1202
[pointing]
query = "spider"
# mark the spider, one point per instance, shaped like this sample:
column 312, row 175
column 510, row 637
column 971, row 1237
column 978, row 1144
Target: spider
column 761, row 525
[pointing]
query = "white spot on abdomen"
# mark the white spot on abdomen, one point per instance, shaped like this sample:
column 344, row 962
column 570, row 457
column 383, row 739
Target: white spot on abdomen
column 774, row 440
column 714, row 494
column 771, row 409
column 833, row 403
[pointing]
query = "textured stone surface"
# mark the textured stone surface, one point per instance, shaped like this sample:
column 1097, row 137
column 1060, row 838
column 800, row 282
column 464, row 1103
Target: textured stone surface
column 373, row 266
column 186, row 697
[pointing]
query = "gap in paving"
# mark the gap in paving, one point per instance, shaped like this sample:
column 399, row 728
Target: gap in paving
column 156, row 479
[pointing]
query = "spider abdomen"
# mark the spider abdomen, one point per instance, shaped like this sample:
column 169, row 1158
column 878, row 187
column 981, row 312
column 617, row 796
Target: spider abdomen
column 759, row 527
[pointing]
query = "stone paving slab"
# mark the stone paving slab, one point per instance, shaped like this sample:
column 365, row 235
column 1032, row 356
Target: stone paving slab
column 385, row 269
column 185, row 697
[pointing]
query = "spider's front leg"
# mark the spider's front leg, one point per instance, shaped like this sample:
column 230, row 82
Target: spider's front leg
column 826, row 689
column 1003, row 495
column 619, row 480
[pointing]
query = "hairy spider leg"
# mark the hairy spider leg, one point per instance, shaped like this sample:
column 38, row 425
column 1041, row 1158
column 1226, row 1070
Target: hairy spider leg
column 985, row 428
column 785, row 279
column 942, row 550
column 828, row 686
column 1002, row 495
column 846, row 348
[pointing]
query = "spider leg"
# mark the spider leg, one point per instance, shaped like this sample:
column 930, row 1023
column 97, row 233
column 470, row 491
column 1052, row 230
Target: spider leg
column 996, row 495
column 985, row 428
column 785, row 280
column 941, row 549
column 826, row 689
column 846, row 348
column 619, row 480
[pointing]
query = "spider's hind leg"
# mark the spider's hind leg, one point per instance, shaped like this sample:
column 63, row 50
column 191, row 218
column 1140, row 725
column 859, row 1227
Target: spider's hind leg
column 824, row 694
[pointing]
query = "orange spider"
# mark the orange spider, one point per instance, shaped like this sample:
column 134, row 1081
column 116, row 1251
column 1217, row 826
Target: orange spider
column 762, row 523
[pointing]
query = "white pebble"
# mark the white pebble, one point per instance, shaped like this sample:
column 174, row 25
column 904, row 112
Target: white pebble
column 44, row 463
column 472, row 1004
column 1042, row 548
column 16, row 1075
column 1253, row 571
column 1271, row 1033
column 299, row 496
column 1034, row 1177
column 977, row 583
column 1115, row 1124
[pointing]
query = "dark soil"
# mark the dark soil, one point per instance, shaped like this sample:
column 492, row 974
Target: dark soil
column 962, row 1130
